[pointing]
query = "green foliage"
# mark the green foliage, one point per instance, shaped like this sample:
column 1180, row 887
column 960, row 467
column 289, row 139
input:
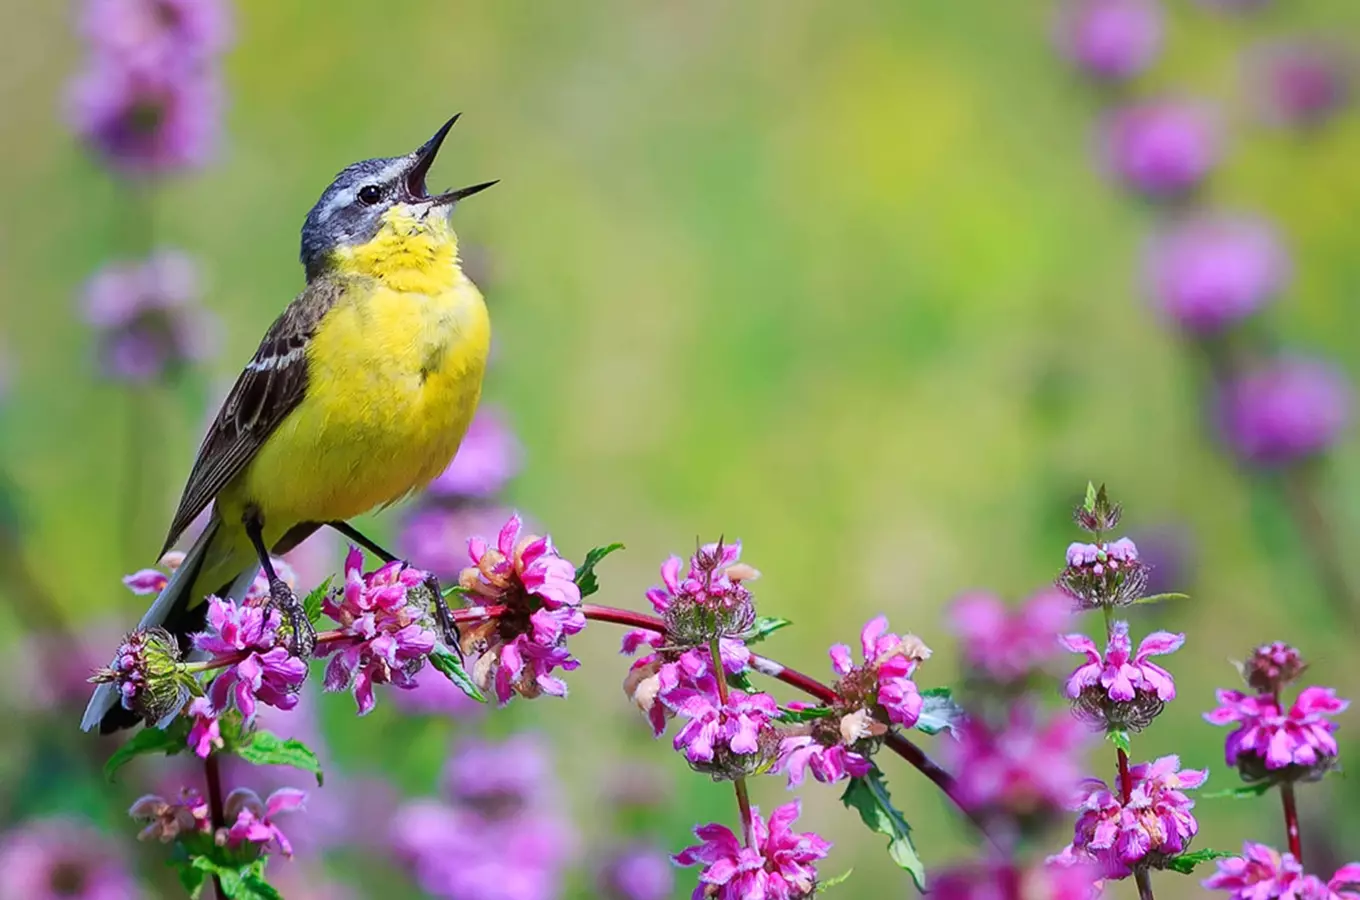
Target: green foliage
column 869, row 797
column 1186, row 862
column 740, row 681
column 263, row 748
column 585, row 573
column 1241, row 792
column 829, row 883
column 311, row 604
column 939, row 711
column 796, row 716
column 240, row 881
column 764, row 627
column 1091, row 497
column 169, row 741
column 1119, row 738
column 447, row 662
column 1158, row 598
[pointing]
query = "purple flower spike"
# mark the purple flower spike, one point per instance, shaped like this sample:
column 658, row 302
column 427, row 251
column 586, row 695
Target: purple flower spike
column 728, row 740
column 391, row 635
column 1268, row 743
column 1161, row 149
column 1156, row 822
column 61, row 859
column 266, row 671
column 779, row 862
column 1111, row 40
column 1214, row 270
column 1285, row 411
column 1121, row 690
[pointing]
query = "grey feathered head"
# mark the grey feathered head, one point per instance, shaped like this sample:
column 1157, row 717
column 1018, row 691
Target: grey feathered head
column 350, row 211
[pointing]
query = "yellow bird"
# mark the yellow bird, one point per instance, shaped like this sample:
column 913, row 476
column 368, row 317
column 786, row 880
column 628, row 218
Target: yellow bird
column 358, row 395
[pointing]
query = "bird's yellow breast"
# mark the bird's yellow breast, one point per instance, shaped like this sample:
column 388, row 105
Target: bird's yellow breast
column 393, row 381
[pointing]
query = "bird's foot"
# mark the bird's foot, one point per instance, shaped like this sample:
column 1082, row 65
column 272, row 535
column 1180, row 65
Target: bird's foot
column 301, row 634
column 447, row 626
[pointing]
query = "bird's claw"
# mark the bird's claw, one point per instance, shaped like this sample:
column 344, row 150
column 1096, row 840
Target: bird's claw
column 301, row 634
column 447, row 626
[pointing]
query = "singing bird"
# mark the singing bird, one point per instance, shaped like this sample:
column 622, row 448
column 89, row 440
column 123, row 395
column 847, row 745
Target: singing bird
column 359, row 394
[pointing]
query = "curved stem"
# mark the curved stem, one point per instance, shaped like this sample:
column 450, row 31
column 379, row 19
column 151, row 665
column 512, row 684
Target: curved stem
column 896, row 742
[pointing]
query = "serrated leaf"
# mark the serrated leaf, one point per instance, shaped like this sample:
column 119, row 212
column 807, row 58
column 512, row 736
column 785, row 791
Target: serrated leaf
column 1186, row 862
column 264, row 748
column 1158, row 598
column 448, row 663
column 239, row 881
column 1241, row 792
column 311, row 604
column 585, row 573
column 149, row 740
column 1120, row 739
column 1090, row 504
column 795, row 716
column 829, row 883
column 869, row 797
column 940, row 712
column 764, row 627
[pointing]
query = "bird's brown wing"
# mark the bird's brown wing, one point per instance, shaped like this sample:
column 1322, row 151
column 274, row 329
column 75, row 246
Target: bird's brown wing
column 272, row 384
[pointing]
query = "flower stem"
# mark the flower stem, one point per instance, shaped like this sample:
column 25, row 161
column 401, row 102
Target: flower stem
column 896, row 742
column 1144, row 881
column 1125, row 778
column 739, row 783
column 212, row 768
column 1291, row 821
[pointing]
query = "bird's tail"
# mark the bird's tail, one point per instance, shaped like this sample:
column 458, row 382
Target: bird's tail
column 214, row 565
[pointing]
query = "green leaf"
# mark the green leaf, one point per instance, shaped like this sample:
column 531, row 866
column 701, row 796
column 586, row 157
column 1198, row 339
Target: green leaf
column 795, row 716
column 263, row 748
column 1241, row 792
column 829, row 883
column 939, row 712
column 740, row 681
column 585, row 573
column 453, row 590
column 1158, row 598
column 869, row 797
column 1186, row 862
column 447, row 662
column 239, row 882
column 764, row 627
column 169, row 741
column 312, row 603
column 192, row 879
column 1120, row 739
column 1090, row 504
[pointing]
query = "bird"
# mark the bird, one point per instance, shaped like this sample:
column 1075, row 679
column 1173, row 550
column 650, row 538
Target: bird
column 359, row 395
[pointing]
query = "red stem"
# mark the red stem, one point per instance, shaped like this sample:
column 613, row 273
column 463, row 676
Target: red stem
column 896, row 742
column 1125, row 778
column 1291, row 820
column 216, row 810
column 738, row 784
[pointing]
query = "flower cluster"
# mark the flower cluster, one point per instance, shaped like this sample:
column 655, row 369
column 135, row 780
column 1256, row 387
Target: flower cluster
column 1122, row 690
column 1144, row 829
column 1162, row 149
column 256, row 664
column 773, row 861
column 168, row 821
column 656, row 680
column 711, row 601
column 872, row 698
column 1111, row 40
column 147, row 671
column 1270, row 742
column 148, row 101
column 249, row 820
column 383, row 614
column 497, row 834
column 52, row 858
column 1103, row 574
column 522, row 643
column 1263, row 873
column 1053, row 879
column 728, row 738
column 1004, row 645
column 1284, row 410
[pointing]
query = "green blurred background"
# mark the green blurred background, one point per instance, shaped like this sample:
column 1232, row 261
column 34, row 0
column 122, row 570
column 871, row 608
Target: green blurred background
column 840, row 280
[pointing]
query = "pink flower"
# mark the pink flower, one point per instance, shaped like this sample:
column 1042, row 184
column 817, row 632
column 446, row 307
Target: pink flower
column 778, row 864
column 828, row 762
column 487, row 459
column 1263, row 873
column 639, row 872
column 656, row 676
column 1101, row 575
column 1266, row 740
column 252, row 820
column 1161, row 148
column 391, row 637
column 1111, row 40
column 710, row 600
column 1122, row 690
column 518, row 650
column 1055, row 879
column 889, row 661
column 261, row 669
column 1028, row 768
column 1004, row 644
column 1154, row 824
column 166, row 821
column 734, row 728
column 206, row 733
column 1272, row 666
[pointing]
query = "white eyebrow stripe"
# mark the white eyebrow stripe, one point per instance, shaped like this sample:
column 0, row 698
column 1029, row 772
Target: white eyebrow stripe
column 342, row 199
column 276, row 362
column 347, row 196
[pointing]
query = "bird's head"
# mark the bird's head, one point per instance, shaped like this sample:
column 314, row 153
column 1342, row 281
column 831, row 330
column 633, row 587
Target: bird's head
column 377, row 216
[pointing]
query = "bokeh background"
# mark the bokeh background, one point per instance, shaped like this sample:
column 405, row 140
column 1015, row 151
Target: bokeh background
column 847, row 281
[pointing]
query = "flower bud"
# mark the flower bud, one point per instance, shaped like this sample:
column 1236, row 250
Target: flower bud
column 148, row 673
column 1272, row 666
column 1101, row 575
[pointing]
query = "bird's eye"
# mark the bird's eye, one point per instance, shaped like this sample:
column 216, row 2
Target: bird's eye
column 370, row 194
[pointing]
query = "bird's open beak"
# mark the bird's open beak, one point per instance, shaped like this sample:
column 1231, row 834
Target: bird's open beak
column 424, row 158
